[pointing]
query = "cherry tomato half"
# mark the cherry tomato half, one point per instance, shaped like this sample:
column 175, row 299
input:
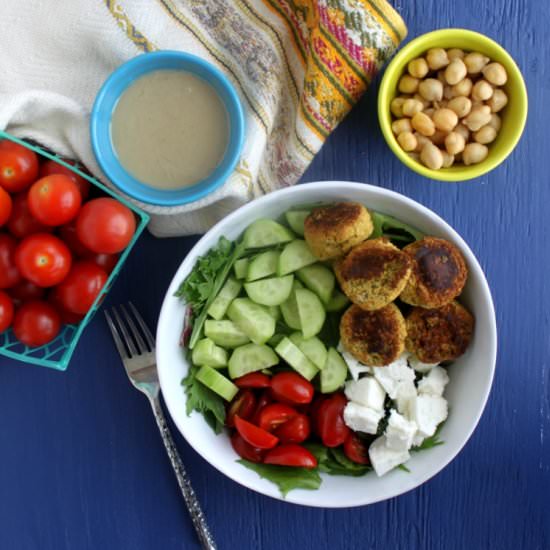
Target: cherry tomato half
column 26, row 290
column 6, row 311
column 255, row 436
column 264, row 399
column 78, row 291
column 51, row 167
column 6, row 206
column 290, row 386
column 295, row 430
column 356, row 449
column 43, row 259
column 9, row 274
column 291, row 455
column 330, row 420
column 18, row 166
column 54, row 200
column 253, row 380
column 22, row 223
column 36, row 323
column 70, row 238
column 105, row 226
column 243, row 405
column 275, row 414
column 246, row 451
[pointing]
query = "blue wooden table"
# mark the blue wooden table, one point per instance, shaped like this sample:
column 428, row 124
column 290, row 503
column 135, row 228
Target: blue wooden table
column 81, row 463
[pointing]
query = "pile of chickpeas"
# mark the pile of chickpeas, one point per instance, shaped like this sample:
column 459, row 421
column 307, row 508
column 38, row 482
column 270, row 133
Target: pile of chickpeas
column 448, row 108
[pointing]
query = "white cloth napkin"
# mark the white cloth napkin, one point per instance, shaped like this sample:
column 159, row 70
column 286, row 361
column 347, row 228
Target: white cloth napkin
column 298, row 66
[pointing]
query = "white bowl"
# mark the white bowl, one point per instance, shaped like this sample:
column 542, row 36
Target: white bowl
column 471, row 375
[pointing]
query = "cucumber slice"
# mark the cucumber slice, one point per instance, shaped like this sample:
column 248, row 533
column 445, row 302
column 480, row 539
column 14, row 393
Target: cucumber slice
column 265, row 232
column 296, row 359
column 225, row 333
column 250, row 358
column 275, row 339
column 217, row 382
column 228, row 292
column 270, row 292
column 319, row 279
column 312, row 348
column 311, row 312
column 337, row 301
column 334, row 374
column 289, row 309
column 296, row 219
column 240, row 267
column 274, row 311
column 252, row 319
column 206, row 352
column 263, row 265
column 294, row 256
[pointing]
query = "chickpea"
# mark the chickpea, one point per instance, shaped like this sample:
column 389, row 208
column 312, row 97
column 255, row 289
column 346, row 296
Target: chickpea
column 445, row 119
column 431, row 89
column 478, row 117
column 431, row 156
column 448, row 160
column 498, row 101
column 460, row 105
column 414, row 156
column 475, row 62
column 455, row 53
column 474, row 153
column 495, row 73
column 396, row 107
column 429, row 111
column 423, row 124
column 482, row 91
column 486, row 134
column 425, row 102
column 455, row 72
column 455, row 143
column 408, row 84
column 495, row 122
column 464, row 87
column 420, row 141
column 401, row 125
column 441, row 77
column 407, row 141
column 463, row 131
column 437, row 58
column 438, row 137
column 411, row 107
column 418, row 68
column 448, row 92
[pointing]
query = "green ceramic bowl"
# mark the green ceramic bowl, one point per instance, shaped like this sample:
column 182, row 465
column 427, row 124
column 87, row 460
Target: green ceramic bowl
column 513, row 115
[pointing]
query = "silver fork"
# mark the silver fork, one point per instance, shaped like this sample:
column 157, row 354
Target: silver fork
column 136, row 347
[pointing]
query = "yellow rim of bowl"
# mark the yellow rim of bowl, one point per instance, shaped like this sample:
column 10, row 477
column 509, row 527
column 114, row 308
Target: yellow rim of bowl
column 385, row 95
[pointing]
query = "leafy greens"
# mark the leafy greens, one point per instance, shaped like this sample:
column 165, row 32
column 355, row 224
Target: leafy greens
column 396, row 231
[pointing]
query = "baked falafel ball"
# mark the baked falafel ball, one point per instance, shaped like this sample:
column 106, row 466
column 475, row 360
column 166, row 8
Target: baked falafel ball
column 374, row 273
column 375, row 338
column 440, row 334
column 332, row 230
column 438, row 275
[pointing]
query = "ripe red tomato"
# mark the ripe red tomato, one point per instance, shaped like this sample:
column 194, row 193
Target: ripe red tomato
column 356, row 450
column 243, row 405
column 330, row 420
column 6, row 311
column 68, row 235
column 6, row 206
column 36, row 323
column 275, row 414
column 54, row 200
column 290, row 386
column 21, row 222
column 105, row 226
column 291, row 455
column 78, row 291
column 9, row 274
column 264, row 399
column 255, row 436
column 51, row 167
column 67, row 317
column 43, row 259
column 18, row 166
column 295, row 430
column 26, row 290
column 107, row 262
column 253, row 380
column 246, row 451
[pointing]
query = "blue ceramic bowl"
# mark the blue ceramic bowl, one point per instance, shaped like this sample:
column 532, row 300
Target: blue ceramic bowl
column 107, row 98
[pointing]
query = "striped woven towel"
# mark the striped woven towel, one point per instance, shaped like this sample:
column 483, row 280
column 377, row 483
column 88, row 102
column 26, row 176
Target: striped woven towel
column 298, row 65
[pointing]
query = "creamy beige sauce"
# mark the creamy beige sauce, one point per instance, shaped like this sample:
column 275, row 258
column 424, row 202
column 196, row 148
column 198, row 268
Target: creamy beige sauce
column 170, row 129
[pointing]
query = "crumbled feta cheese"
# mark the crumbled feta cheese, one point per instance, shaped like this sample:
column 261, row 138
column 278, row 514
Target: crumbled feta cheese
column 428, row 412
column 384, row 458
column 417, row 440
column 418, row 366
column 434, row 382
column 362, row 419
column 392, row 375
column 405, row 397
column 355, row 367
column 367, row 392
column 400, row 432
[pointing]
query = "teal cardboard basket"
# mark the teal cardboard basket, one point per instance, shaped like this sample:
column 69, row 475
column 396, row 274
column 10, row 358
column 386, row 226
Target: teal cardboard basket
column 57, row 353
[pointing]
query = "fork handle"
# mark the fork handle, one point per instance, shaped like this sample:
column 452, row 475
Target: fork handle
column 197, row 515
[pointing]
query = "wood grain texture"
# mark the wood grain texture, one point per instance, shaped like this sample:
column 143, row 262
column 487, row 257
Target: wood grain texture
column 82, row 465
